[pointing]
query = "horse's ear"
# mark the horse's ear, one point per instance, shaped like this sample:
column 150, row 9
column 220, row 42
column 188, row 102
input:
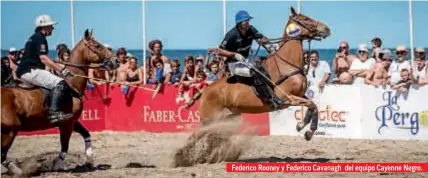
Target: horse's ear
column 92, row 33
column 87, row 35
column 293, row 12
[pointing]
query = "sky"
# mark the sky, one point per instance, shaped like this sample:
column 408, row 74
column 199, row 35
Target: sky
column 199, row 24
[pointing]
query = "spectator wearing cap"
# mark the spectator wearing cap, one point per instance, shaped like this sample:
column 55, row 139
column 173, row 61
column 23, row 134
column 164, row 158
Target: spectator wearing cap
column 420, row 76
column 378, row 75
column 362, row 64
column 121, row 72
column 341, row 63
column 12, row 55
column 401, row 62
column 319, row 71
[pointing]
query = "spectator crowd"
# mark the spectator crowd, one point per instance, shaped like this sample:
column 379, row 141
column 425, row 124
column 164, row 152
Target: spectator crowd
column 377, row 67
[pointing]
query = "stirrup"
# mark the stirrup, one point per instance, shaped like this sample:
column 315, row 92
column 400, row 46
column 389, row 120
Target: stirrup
column 56, row 116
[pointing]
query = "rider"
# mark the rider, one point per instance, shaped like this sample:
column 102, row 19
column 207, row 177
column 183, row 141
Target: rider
column 31, row 68
column 236, row 46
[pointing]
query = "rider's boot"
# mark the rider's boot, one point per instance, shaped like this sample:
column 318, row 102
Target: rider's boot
column 55, row 113
column 264, row 91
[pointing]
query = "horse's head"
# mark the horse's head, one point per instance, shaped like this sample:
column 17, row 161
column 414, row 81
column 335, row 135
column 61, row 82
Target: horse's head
column 95, row 52
column 304, row 27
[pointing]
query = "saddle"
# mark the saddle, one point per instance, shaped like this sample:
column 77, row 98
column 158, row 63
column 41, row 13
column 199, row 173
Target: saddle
column 257, row 79
column 47, row 93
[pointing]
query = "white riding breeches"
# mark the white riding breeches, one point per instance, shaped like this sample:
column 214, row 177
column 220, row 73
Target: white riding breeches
column 239, row 68
column 41, row 78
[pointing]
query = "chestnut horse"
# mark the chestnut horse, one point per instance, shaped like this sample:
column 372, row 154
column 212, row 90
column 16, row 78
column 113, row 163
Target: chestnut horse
column 25, row 109
column 286, row 70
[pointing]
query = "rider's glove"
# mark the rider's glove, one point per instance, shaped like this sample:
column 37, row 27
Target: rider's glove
column 66, row 73
column 239, row 57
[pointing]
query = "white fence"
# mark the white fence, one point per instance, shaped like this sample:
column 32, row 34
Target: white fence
column 361, row 112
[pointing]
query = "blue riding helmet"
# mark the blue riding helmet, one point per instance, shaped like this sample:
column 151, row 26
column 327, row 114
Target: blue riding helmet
column 242, row 16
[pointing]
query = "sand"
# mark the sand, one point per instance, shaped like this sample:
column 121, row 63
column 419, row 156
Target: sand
column 141, row 154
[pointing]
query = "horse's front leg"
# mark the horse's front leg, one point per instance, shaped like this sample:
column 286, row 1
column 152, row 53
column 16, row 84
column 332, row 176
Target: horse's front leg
column 65, row 129
column 310, row 117
column 79, row 128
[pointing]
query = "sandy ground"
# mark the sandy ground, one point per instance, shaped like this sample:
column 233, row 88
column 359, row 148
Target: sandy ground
column 151, row 155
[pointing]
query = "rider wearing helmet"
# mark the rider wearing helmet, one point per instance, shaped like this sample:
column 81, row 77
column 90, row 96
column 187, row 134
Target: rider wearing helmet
column 32, row 67
column 236, row 46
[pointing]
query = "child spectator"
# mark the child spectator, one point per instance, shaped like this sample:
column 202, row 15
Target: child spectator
column 213, row 73
column 197, row 88
column 187, row 77
column 404, row 84
column 175, row 75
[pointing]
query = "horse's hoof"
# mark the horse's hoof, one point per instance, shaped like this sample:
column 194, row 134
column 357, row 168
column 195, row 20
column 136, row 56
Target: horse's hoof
column 57, row 164
column 308, row 135
column 90, row 163
column 300, row 126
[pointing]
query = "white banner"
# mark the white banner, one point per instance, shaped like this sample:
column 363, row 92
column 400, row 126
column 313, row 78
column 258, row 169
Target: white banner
column 389, row 114
column 362, row 112
column 339, row 113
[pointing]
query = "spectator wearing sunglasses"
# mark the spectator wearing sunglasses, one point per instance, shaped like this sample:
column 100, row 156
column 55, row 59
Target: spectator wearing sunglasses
column 361, row 65
column 319, row 71
column 398, row 65
column 420, row 75
column 341, row 63
column 378, row 75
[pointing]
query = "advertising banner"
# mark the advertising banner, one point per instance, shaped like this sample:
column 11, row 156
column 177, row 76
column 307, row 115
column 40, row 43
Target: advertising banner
column 338, row 113
column 389, row 114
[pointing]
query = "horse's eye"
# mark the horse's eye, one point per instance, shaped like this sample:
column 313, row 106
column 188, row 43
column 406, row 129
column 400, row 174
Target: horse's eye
column 99, row 46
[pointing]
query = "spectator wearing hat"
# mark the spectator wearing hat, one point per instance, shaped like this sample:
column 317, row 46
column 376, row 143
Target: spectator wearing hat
column 378, row 75
column 401, row 62
column 420, row 75
column 12, row 55
column 362, row 64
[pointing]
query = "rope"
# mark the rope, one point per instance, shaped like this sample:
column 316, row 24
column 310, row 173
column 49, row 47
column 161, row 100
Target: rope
column 120, row 83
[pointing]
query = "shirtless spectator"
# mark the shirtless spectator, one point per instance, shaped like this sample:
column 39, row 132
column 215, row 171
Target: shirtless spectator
column 155, row 48
column 420, row 76
column 341, row 64
column 175, row 75
column 403, row 85
column 361, row 65
column 319, row 71
column 378, row 75
column 398, row 65
column 121, row 72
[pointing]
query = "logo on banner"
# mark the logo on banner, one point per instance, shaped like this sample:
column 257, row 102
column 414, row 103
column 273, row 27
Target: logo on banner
column 180, row 115
column 391, row 115
column 328, row 118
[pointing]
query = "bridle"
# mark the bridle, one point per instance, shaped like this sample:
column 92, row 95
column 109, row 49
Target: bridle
column 103, row 65
column 315, row 33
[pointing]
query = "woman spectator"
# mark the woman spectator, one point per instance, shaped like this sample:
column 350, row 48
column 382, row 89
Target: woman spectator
column 135, row 76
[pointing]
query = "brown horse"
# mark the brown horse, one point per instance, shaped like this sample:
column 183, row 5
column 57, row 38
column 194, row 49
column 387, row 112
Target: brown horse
column 286, row 70
column 25, row 109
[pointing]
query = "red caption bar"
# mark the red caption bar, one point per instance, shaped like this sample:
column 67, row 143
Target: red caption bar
column 327, row 167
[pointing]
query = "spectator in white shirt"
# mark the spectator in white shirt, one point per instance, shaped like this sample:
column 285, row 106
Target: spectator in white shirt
column 420, row 73
column 362, row 64
column 398, row 65
column 319, row 71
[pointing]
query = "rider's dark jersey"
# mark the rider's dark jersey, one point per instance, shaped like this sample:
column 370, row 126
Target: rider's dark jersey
column 234, row 41
column 36, row 45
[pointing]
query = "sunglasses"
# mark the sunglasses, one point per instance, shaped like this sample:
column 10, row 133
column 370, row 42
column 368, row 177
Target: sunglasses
column 400, row 52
